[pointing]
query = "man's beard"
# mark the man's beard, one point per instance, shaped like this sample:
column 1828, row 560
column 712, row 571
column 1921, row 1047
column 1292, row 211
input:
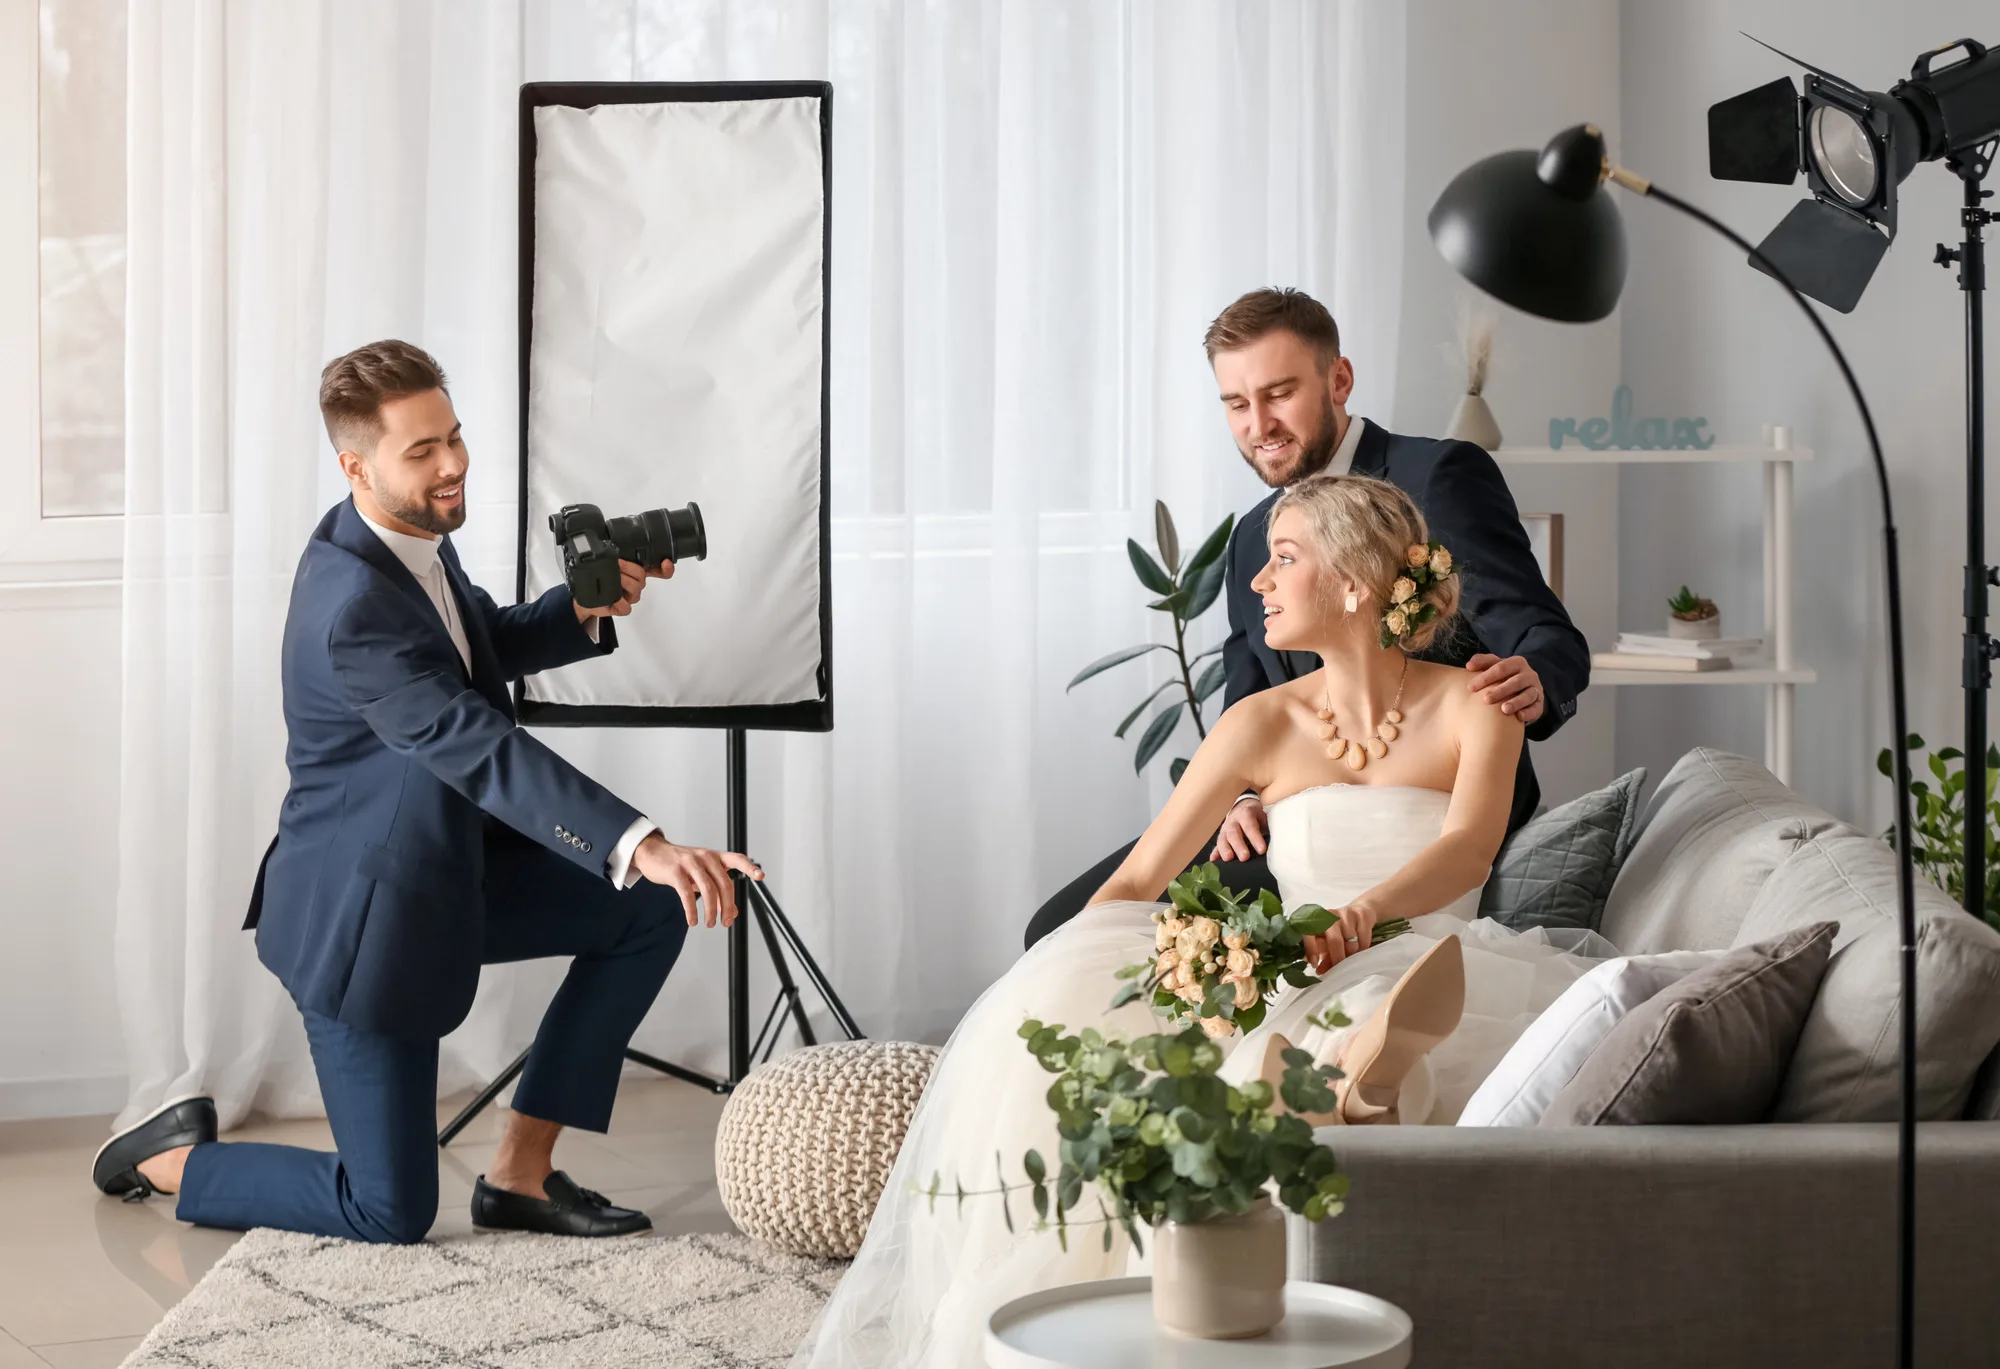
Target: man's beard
column 1315, row 455
column 420, row 514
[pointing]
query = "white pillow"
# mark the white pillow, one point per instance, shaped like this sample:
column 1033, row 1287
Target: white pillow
column 1555, row 1045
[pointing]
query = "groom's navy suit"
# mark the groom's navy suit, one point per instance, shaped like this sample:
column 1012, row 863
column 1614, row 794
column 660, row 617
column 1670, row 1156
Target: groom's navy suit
column 1505, row 607
column 425, row 834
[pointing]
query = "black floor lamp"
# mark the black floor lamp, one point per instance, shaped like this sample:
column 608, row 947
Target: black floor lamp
column 1533, row 231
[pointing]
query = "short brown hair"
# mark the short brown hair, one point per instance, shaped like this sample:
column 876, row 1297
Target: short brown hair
column 1267, row 311
column 353, row 389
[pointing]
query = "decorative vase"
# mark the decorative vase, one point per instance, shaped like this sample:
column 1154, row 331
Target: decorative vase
column 1699, row 630
column 1473, row 422
column 1222, row 1279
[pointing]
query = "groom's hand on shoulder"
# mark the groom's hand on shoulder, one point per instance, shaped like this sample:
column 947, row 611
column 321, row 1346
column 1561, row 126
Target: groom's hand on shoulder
column 1511, row 684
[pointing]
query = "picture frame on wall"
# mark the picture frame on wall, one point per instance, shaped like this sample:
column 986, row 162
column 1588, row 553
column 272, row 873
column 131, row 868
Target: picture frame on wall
column 1545, row 536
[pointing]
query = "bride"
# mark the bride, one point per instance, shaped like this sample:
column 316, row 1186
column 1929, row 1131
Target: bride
column 1388, row 786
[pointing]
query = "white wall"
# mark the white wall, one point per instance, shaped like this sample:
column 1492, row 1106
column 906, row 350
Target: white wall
column 60, row 1050
column 1483, row 79
column 1704, row 334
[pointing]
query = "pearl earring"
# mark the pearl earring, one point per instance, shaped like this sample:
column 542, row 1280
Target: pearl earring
column 1353, row 602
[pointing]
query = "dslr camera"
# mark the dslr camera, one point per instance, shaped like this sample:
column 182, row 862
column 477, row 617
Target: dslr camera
column 593, row 545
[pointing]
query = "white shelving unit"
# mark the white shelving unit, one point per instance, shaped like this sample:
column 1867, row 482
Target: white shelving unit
column 1781, row 674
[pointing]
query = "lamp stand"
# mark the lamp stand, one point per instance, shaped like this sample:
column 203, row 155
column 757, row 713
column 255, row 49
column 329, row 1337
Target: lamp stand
column 1980, row 647
column 1906, row 894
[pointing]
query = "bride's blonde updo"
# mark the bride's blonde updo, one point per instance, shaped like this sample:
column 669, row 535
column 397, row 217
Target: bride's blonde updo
column 1368, row 531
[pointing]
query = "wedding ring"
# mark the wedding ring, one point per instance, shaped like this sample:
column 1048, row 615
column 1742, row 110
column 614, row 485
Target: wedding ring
column 1354, row 941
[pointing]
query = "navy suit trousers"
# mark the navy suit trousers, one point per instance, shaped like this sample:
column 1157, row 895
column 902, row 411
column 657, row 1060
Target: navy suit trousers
column 380, row 1091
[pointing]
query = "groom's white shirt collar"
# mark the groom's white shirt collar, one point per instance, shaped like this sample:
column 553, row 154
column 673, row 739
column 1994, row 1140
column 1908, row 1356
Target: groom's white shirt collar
column 1343, row 455
column 418, row 554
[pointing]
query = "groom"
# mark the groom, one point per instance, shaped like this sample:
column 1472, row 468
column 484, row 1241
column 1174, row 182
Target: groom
column 425, row 834
column 1284, row 388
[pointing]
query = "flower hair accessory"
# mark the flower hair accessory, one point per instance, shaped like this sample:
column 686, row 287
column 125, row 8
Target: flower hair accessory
column 1425, row 566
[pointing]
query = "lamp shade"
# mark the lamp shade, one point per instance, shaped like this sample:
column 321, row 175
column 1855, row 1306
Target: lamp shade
column 1536, row 230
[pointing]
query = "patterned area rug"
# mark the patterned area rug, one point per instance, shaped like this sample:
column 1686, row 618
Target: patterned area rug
column 495, row 1302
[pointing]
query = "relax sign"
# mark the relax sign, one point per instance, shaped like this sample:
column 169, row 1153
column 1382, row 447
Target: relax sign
column 1621, row 432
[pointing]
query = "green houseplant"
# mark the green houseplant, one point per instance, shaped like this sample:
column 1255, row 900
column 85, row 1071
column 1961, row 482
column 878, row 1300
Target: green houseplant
column 1186, row 591
column 1163, row 1141
column 1939, row 834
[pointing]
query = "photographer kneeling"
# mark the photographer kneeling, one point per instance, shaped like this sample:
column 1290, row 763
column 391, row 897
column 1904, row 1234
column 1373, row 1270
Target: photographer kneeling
column 426, row 834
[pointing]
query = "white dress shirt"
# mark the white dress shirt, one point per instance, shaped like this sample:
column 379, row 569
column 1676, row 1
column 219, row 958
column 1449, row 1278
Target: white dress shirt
column 1343, row 455
column 419, row 555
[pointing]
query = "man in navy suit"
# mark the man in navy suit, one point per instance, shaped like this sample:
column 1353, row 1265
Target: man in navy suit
column 1284, row 387
column 426, row 834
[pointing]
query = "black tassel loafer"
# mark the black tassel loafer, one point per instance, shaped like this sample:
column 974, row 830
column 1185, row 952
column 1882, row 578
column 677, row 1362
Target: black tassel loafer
column 569, row 1210
column 183, row 1122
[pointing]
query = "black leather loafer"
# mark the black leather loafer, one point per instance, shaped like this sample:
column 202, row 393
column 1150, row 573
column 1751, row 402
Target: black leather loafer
column 569, row 1210
column 183, row 1122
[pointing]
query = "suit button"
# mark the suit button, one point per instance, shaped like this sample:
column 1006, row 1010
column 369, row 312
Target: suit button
column 586, row 848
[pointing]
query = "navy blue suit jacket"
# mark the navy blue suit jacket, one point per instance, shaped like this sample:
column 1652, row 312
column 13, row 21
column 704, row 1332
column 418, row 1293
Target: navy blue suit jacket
column 1505, row 606
column 370, row 905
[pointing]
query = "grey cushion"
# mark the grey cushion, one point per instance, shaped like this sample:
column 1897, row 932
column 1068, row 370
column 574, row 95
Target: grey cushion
column 1711, row 1049
column 1711, row 834
column 1845, row 1067
column 1558, row 869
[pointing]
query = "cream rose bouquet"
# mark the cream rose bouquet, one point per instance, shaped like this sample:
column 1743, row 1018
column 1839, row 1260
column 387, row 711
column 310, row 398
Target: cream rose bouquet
column 1219, row 956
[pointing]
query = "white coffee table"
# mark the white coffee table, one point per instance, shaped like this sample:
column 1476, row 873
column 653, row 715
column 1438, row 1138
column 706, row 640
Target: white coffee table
column 1109, row 1324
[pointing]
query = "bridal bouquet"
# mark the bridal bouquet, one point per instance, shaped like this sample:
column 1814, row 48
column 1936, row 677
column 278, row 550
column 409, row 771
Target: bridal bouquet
column 1219, row 956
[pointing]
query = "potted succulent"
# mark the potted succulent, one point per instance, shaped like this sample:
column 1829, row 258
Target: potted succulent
column 1692, row 617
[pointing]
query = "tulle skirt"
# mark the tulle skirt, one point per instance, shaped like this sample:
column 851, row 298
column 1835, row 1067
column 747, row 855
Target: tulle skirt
column 931, row 1272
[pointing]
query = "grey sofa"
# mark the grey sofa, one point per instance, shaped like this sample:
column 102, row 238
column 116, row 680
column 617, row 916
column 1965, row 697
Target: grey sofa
column 1718, row 1247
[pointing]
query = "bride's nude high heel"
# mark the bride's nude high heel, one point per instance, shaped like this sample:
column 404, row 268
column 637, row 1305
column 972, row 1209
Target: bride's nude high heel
column 1420, row 1011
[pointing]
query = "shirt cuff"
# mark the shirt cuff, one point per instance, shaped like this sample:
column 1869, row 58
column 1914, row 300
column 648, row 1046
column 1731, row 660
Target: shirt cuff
column 618, row 865
column 590, row 629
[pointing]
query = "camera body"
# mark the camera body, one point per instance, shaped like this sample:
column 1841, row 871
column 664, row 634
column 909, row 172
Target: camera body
column 593, row 545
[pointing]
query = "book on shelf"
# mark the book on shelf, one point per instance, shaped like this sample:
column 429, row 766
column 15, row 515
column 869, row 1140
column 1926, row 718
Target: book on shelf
column 1636, row 660
column 1649, row 644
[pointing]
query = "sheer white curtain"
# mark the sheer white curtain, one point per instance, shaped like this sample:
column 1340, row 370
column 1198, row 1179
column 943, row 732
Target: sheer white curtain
column 1036, row 210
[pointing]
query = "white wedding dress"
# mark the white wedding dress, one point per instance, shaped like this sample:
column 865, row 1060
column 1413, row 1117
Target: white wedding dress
column 925, row 1281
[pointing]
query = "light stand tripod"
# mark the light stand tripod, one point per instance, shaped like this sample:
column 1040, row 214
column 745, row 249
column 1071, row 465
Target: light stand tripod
column 754, row 902
column 1980, row 647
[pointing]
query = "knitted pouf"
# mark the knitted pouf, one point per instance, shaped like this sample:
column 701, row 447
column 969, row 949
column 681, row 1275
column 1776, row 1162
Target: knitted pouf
column 806, row 1142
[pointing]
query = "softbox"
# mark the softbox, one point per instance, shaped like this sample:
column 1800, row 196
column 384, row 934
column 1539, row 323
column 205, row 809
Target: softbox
column 673, row 335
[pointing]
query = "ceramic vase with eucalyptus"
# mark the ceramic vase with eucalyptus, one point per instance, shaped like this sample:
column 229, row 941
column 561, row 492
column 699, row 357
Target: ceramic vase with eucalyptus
column 1222, row 1279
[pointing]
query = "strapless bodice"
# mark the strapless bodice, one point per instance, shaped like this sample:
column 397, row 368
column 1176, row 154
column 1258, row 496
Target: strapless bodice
column 1331, row 844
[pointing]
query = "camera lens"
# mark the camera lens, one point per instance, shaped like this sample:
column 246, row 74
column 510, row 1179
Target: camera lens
column 658, row 535
column 686, row 534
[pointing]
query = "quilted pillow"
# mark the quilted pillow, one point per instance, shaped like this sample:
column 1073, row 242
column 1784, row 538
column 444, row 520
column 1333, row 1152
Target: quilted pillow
column 1557, row 871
